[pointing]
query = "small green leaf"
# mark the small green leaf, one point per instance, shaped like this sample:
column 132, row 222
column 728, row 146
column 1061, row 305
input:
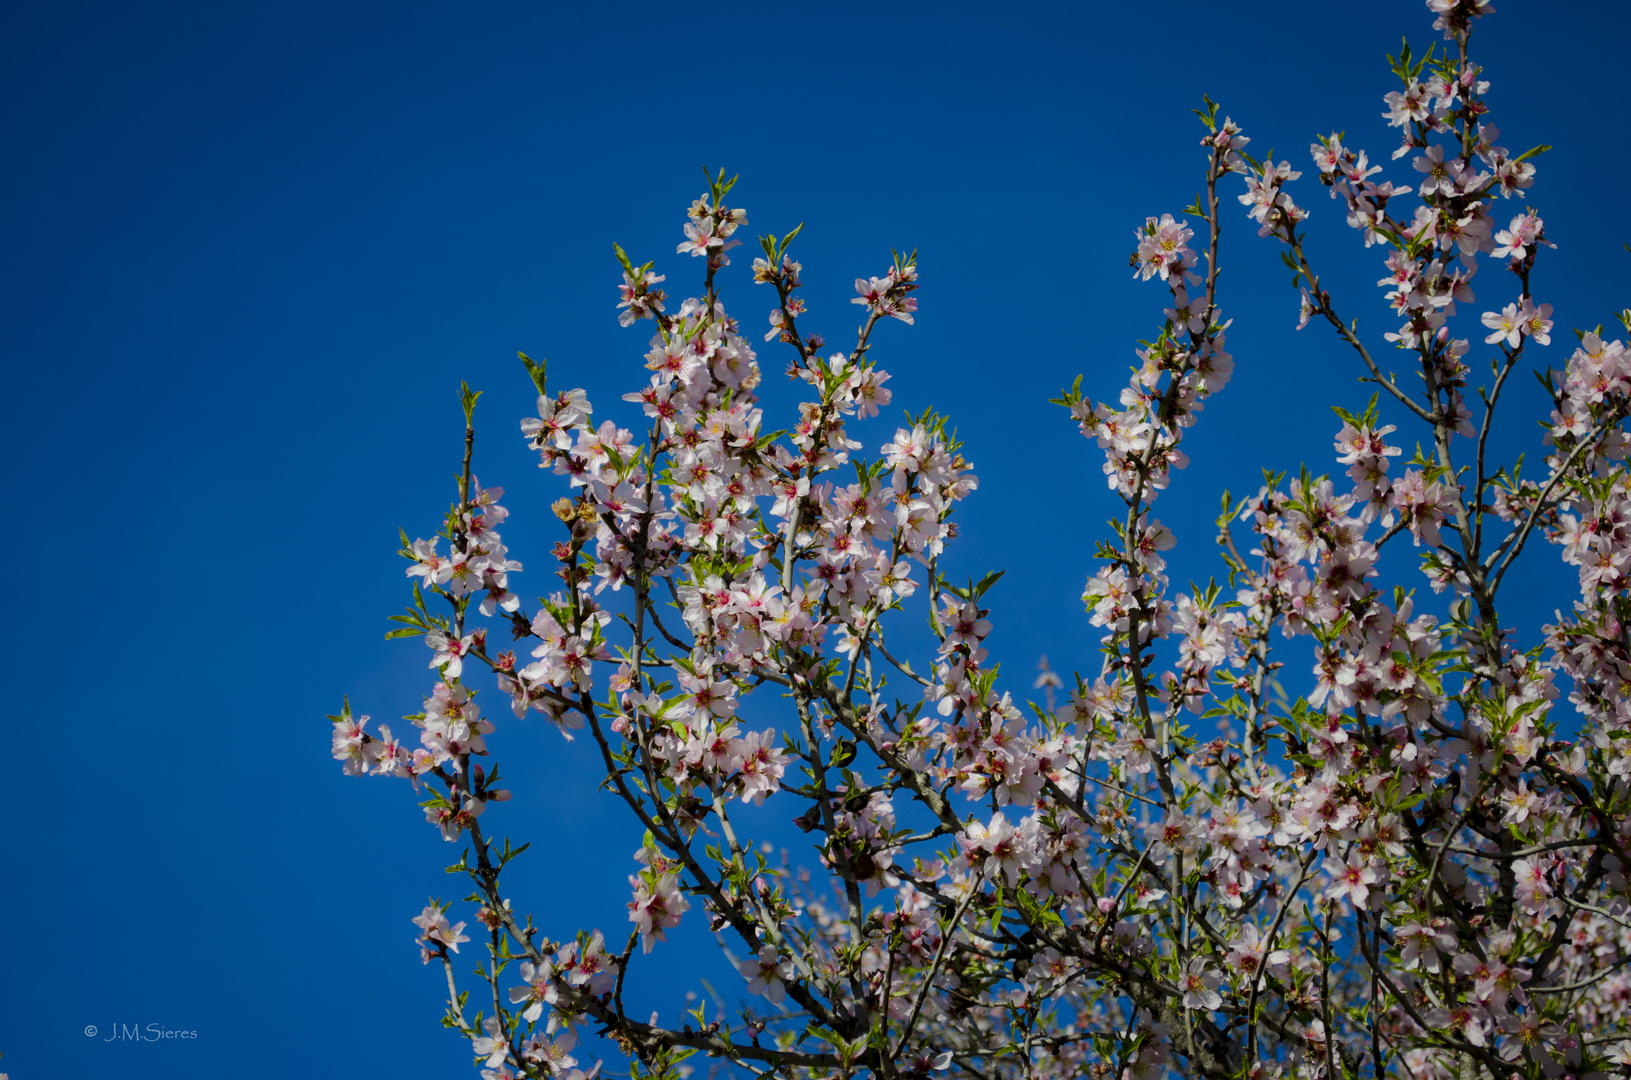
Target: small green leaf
column 535, row 368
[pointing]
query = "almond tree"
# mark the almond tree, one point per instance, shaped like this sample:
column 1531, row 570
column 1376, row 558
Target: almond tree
column 1417, row 868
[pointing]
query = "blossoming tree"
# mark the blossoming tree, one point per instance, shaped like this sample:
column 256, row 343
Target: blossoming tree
column 1418, row 868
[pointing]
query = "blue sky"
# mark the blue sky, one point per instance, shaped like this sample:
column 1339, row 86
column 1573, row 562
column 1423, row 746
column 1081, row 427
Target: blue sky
column 253, row 248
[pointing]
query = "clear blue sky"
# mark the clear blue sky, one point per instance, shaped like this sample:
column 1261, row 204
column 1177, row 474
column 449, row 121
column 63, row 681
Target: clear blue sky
column 250, row 250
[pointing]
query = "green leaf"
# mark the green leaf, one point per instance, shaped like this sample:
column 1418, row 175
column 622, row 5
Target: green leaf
column 781, row 249
column 535, row 368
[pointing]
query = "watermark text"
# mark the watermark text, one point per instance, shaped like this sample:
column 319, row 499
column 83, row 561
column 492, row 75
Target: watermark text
column 138, row 1033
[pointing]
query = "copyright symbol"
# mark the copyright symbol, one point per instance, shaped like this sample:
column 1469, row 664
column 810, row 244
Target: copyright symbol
column 90, row 1030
